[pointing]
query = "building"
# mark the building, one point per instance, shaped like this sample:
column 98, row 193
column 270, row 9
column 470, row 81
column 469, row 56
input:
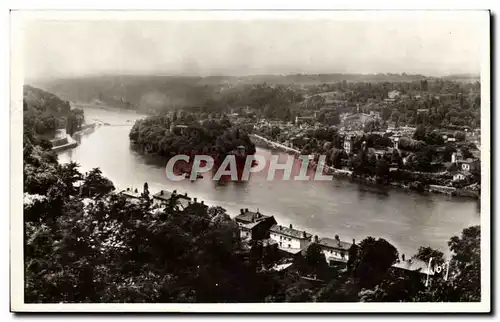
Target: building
column 131, row 195
column 348, row 144
column 254, row 225
column 456, row 157
column 395, row 141
column 289, row 239
column 468, row 165
column 379, row 154
column 357, row 121
column 459, row 176
column 179, row 129
column 335, row 250
column 162, row 197
column 195, row 205
column 393, row 94
column 412, row 265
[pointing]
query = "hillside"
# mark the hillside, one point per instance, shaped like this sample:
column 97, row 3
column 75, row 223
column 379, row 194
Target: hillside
column 153, row 92
column 44, row 112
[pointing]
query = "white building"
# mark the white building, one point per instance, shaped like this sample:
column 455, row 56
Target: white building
column 458, row 176
column 335, row 250
column 393, row 94
column 348, row 144
column 131, row 195
column 289, row 239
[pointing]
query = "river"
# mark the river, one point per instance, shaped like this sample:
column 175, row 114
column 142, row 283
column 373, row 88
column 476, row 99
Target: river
column 351, row 210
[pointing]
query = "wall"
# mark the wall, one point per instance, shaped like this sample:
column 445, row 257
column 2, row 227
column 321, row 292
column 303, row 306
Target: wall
column 335, row 254
column 294, row 242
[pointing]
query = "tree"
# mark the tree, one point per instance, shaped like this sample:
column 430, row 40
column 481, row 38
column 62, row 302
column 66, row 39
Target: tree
column 396, row 158
column 426, row 253
column 312, row 262
column 95, row 184
column 465, row 264
column 70, row 175
column 373, row 261
column 459, row 136
column 420, row 133
column 371, row 126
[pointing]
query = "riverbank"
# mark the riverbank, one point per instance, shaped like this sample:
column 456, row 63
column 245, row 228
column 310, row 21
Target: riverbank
column 68, row 142
column 348, row 174
column 65, row 143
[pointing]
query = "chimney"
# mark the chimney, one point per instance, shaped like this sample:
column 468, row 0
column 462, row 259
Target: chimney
column 354, row 241
column 195, row 200
column 185, row 194
column 403, row 257
column 174, row 192
column 315, row 238
column 128, row 189
column 161, row 192
column 135, row 190
column 242, row 211
column 337, row 238
column 291, row 227
column 202, row 202
column 304, row 234
column 246, row 209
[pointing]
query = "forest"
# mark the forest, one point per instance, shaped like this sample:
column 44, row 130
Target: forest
column 186, row 133
column 45, row 112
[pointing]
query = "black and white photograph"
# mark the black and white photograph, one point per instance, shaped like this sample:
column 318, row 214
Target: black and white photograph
column 216, row 161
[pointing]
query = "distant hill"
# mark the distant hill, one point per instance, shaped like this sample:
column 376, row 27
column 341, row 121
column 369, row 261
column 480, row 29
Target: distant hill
column 463, row 78
column 152, row 93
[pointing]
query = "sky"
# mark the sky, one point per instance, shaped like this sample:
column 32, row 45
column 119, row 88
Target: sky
column 423, row 45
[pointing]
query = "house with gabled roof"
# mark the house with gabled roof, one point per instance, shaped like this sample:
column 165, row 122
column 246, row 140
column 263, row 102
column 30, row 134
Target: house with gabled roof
column 335, row 250
column 254, row 225
column 289, row 239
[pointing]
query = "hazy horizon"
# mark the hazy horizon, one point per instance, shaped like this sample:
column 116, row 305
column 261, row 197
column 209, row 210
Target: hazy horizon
column 429, row 47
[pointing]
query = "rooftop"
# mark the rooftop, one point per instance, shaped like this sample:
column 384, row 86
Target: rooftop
column 166, row 195
column 289, row 231
column 246, row 216
column 291, row 250
column 130, row 193
column 333, row 243
column 163, row 195
column 413, row 265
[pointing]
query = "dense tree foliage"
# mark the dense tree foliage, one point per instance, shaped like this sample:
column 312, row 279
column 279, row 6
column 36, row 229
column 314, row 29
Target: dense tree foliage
column 44, row 112
column 185, row 134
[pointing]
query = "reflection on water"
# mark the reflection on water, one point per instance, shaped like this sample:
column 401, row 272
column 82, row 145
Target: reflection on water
column 351, row 210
